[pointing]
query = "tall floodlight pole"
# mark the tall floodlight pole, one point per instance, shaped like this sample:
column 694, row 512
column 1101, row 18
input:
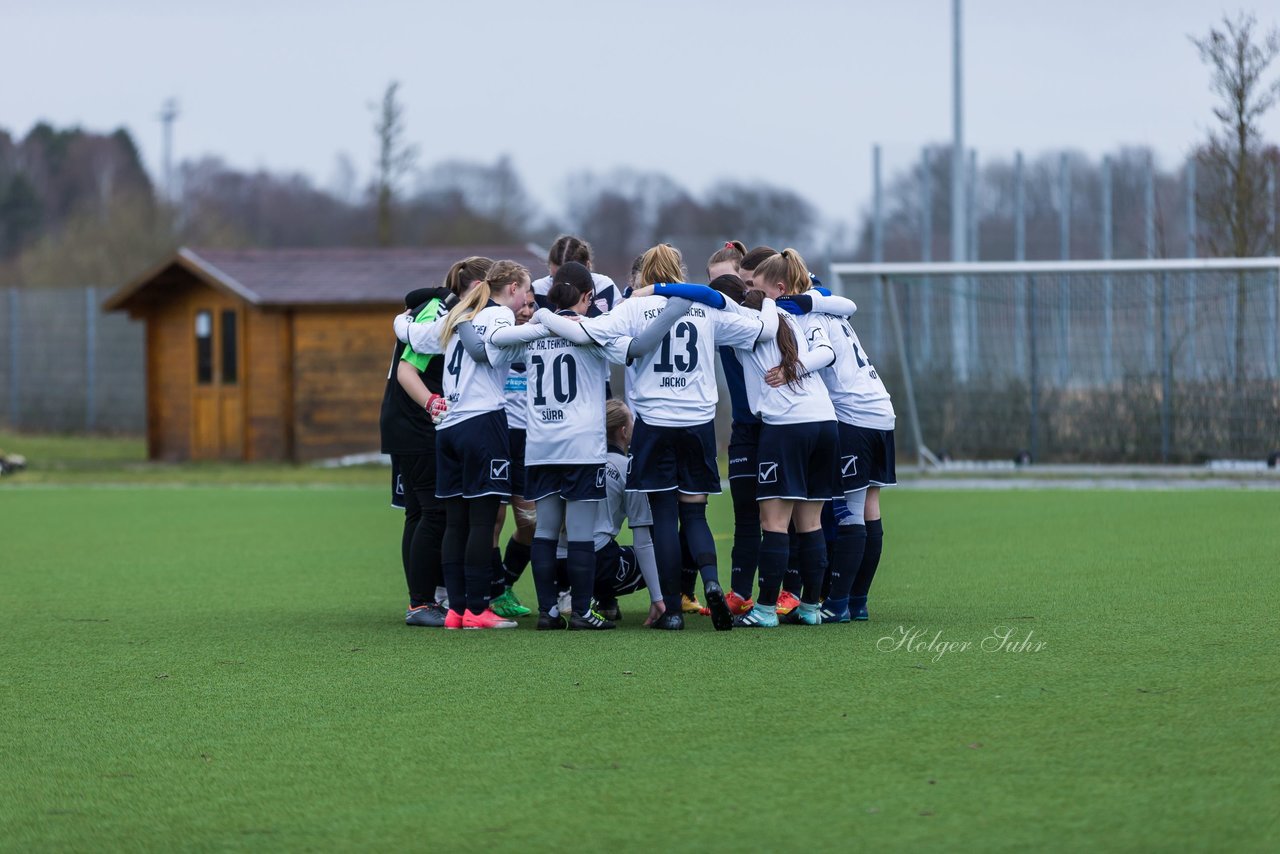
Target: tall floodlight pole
column 958, row 229
column 959, row 304
column 168, row 114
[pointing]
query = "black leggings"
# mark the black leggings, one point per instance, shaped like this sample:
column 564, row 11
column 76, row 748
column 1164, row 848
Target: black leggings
column 423, row 527
column 467, row 549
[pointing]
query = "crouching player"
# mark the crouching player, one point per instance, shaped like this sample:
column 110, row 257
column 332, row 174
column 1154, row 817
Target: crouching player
column 622, row 570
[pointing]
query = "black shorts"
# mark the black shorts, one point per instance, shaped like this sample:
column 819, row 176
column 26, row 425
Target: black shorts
column 573, row 482
column 744, row 444
column 617, row 572
column 866, row 458
column 516, row 439
column 473, row 457
column 799, row 462
column 666, row 458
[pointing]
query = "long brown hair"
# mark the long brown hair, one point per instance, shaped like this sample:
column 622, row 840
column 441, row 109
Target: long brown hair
column 501, row 274
column 786, row 339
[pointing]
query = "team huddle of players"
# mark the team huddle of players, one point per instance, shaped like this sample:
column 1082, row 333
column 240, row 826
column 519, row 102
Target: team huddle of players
column 499, row 396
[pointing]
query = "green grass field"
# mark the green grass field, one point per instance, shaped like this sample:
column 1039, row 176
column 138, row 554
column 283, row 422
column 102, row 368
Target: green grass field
column 223, row 667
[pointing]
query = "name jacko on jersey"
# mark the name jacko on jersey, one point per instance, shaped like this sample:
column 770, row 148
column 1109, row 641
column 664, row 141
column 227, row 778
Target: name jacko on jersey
column 470, row 388
column 856, row 390
column 675, row 384
column 564, row 402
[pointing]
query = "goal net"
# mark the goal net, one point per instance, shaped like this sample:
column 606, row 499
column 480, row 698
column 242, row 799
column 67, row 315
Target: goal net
column 1170, row 361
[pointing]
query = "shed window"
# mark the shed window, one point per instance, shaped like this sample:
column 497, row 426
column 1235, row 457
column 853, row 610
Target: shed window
column 204, row 346
column 230, row 351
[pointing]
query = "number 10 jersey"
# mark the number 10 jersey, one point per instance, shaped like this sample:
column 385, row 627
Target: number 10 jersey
column 564, row 402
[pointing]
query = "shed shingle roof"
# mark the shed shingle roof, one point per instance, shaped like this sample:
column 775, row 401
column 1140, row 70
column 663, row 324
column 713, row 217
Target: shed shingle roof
column 283, row 277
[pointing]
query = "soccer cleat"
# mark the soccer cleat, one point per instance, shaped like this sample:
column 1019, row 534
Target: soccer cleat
column 721, row 618
column 738, row 605
column 612, row 613
column 787, row 602
column 486, row 619
column 669, row 622
column 691, row 605
column 835, row 611
column 858, row 608
column 548, row 623
column 453, row 620
column 590, row 621
column 808, row 615
column 507, row 605
column 430, row 616
column 757, row 618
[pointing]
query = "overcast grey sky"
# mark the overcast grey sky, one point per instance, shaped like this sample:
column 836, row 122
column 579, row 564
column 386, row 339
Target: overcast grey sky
column 792, row 92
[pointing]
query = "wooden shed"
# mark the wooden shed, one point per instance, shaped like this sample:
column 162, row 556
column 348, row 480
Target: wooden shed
column 271, row 354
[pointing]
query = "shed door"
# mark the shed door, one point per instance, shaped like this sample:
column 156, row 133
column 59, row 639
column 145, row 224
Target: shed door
column 217, row 408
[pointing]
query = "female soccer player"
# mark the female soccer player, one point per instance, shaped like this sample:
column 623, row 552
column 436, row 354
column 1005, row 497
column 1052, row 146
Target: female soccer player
column 798, row 452
column 508, row 567
column 866, row 417
column 568, row 248
column 412, row 398
column 674, row 393
column 477, row 338
column 566, row 450
column 744, row 439
column 621, row 570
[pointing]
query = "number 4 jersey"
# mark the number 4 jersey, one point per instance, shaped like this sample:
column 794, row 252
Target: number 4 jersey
column 564, row 401
column 675, row 384
column 856, row 390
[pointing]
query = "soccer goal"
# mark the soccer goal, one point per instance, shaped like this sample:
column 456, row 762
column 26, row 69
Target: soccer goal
column 1159, row 361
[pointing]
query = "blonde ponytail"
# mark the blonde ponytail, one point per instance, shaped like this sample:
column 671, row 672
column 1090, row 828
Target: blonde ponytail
column 501, row 274
column 786, row 267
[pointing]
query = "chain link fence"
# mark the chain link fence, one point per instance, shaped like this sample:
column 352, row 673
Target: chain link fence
column 67, row 366
column 1084, row 362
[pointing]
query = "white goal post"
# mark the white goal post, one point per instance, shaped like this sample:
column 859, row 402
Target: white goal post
column 1161, row 360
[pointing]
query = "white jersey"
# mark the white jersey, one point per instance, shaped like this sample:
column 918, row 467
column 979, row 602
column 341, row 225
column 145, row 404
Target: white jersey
column 514, row 389
column 470, row 388
column 675, row 384
column 606, row 292
column 805, row 402
column 856, row 390
column 564, row 402
column 617, row 505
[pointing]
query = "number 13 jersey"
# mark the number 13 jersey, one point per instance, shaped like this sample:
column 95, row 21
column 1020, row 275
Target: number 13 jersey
column 675, row 384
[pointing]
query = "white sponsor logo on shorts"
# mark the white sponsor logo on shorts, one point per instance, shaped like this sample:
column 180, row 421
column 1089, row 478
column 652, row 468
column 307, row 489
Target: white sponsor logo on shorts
column 768, row 473
column 600, row 477
column 499, row 469
column 850, row 465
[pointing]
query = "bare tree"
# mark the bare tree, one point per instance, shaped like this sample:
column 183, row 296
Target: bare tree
column 1232, row 157
column 1233, row 162
column 395, row 160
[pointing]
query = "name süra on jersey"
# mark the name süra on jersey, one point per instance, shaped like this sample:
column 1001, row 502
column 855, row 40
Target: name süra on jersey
column 552, row 416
